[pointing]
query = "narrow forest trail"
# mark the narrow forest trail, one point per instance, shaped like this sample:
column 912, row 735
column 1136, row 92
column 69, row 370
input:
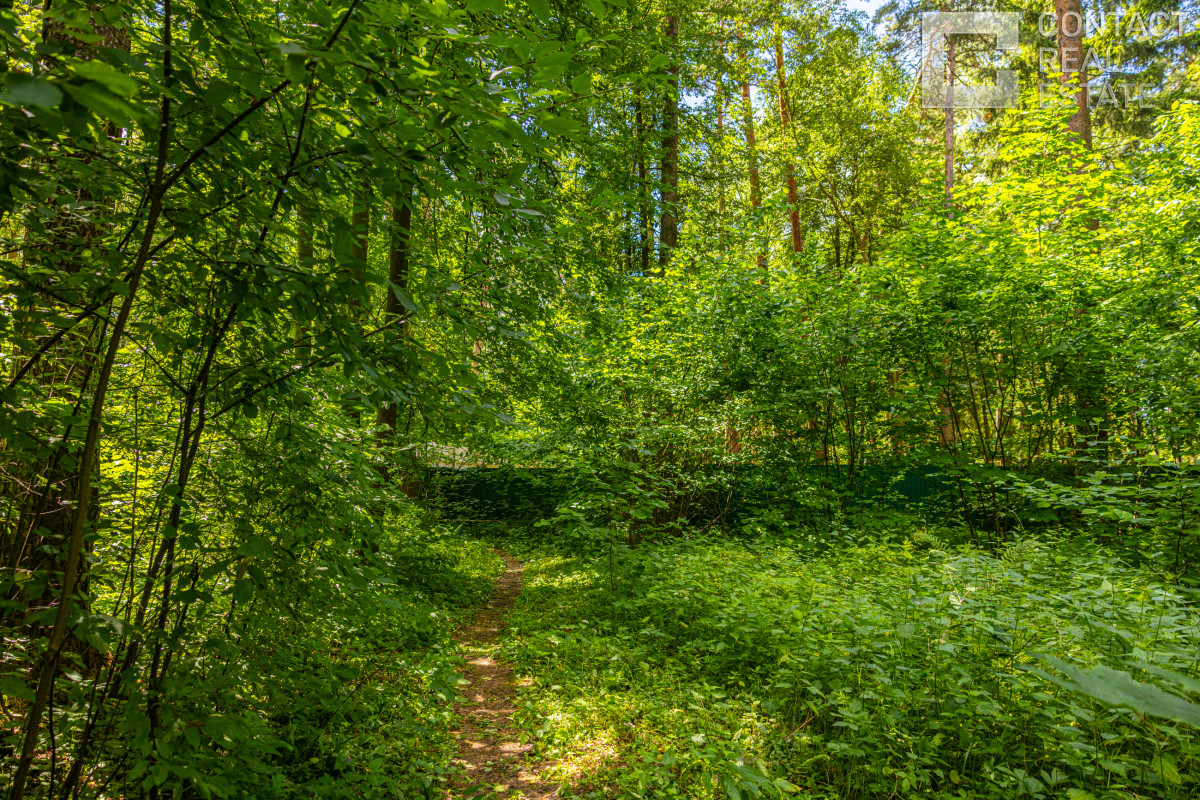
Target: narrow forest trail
column 489, row 748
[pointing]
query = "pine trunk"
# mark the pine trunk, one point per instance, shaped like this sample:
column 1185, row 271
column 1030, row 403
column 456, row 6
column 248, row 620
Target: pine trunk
column 1071, row 62
column 950, row 75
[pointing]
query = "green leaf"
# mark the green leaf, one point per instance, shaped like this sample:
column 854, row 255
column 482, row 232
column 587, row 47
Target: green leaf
column 100, row 630
column 115, row 81
column 23, row 91
column 1165, row 767
column 404, row 299
column 102, row 103
column 1188, row 683
column 562, row 126
column 1117, row 688
column 540, row 9
column 554, row 58
column 295, row 67
column 257, row 574
column 15, row 687
column 243, row 590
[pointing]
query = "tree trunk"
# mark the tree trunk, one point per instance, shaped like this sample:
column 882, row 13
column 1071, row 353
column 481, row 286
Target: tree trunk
column 646, row 233
column 785, row 117
column 361, row 222
column 752, row 151
column 668, row 235
column 950, row 75
column 397, row 277
column 1071, row 62
column 304, row 254
column 1090, row 400
column 945, row 407
column 720, row 102
column 837, row 245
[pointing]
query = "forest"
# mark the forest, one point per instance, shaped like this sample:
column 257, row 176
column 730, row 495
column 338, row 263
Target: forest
column 718, row 399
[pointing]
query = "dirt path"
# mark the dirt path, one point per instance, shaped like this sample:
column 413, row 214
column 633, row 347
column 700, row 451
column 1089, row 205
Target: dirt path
column 488, row 746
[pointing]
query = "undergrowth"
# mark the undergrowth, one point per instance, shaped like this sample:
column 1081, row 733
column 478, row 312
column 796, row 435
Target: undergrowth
column 713, row 668
column 327, row 682
column 360, row 696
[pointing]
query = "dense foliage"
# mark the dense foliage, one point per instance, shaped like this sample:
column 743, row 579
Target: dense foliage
column 852, row 442
column 770, row 668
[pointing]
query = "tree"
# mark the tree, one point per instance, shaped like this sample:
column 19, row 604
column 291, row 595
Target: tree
column 785, row 118
column 752, row 169
column 1070, row 28
column 668, row 237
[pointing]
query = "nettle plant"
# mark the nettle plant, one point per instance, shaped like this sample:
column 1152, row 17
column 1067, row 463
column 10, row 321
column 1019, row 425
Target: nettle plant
column 1147, row 504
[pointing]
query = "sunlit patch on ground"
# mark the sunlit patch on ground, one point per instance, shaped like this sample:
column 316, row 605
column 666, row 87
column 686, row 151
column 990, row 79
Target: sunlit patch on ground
column 586, row 759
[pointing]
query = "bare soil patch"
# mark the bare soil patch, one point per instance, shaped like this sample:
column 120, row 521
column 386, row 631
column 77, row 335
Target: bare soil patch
column 496, row 764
